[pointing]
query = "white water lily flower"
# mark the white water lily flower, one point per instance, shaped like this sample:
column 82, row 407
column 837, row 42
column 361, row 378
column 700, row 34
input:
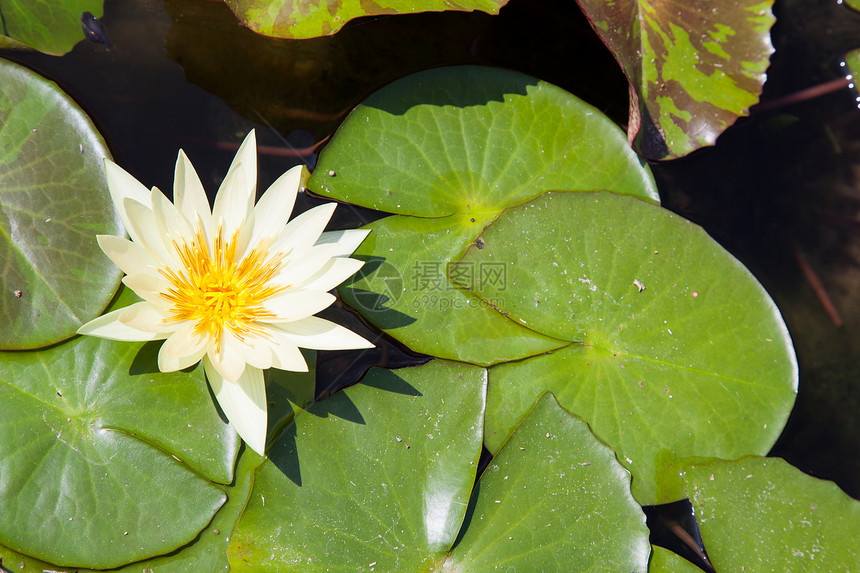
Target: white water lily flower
column 236, row 286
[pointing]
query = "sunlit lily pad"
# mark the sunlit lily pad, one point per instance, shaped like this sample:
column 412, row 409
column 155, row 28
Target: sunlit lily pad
column 763, row 514
column 379, row 473
column 447, row 150
column 553, row 499
column 309, row 18
column 694, row 67
column 353, row 487
column 50, row 27
column 53, row 202
column 287, row 393
column 676, row 350
column 96, row 444
column 207, row 552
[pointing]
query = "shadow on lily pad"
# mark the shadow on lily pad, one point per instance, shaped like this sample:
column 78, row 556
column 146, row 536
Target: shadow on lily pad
column 388, row 281
column 146, row 359
column 285, row 455
column 487, row 86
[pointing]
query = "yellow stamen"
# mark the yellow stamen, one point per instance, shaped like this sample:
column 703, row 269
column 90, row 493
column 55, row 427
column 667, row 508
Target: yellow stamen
column 217, row 292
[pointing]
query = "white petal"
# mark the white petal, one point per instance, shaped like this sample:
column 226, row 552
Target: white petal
column 285, row 354
column 170, row 222
column 247, row 157
column 303, row 231
column 148, row 287
column 148, row 236
column 181, row 350
column 128, row 256
column 255, row 351
column 295, row 305
column 243, row 402
column 347, row 241
column 228, row 362
column 334, row 272
column 146, row 317
column 109, row 326
column 234, row 203
column 304, row 265
column 234, row 209
column 273, row 209
column 320, row 334
column 121, row 186
column 189, row 195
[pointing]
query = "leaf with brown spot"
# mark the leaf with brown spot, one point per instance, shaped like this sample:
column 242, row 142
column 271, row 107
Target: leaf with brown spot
column 693, row 67
column 300, row 19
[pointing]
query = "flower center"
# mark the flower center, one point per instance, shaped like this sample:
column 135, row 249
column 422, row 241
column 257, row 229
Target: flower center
column 216, row 291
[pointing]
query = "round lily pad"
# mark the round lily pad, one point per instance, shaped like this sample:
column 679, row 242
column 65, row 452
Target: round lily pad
column 763, row 514
column 553, row 499
column 446, row 151
column 96, row 444
column 53, row 202
column 206, row 552
column 378, row 475
column 674, row 349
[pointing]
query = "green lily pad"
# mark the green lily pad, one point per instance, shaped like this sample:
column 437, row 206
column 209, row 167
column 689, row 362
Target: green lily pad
column 287, row 393
column 353, row 487
column 693, row 68
column 207, row 552
column 407, row 294
column 665, row 561
column 50, row 27
column 300, row 19
column 675, row 349
column 378, row 475
column 97, row 444
column 766, row 515
column 53, row 202
column 447, row 150
column 553, row 499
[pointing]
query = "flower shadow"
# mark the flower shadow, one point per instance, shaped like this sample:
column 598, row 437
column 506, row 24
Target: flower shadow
column 389, row 381
column 488, row 85
column 146, row 359
column 351, row 405
column 284, row 455
column 383, row 286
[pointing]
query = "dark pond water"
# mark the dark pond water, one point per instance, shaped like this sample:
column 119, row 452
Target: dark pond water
column 780, row 190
